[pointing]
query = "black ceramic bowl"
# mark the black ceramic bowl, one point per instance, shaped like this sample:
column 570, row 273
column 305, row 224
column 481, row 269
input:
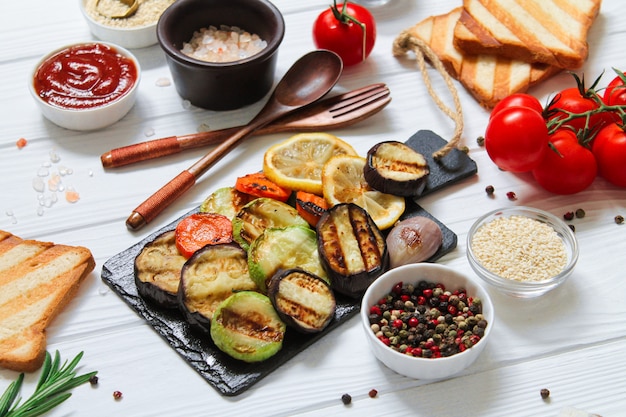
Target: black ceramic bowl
column 226, row 85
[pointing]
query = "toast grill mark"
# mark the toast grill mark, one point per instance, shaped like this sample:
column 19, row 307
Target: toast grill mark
column 553, row 32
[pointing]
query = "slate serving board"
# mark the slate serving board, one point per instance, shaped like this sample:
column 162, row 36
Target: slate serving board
column 232, row 377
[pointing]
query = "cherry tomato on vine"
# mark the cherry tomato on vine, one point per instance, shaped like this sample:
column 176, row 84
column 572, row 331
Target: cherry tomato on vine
column 568, row 171
column 518, row 99
column 572, row 100
column 609, row 148
column 615, row 93
column 516, row 139
column 347, row 29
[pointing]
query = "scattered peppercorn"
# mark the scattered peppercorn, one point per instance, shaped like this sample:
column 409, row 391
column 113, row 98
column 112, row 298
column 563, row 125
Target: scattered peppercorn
column 511, row 195
column 580, row 213
column 480, row 141
column 464, row 149
column 373, row 393
column 619, row 219
column 346, row 399
column 117, row 395
column 93, row 380
column 490, row 190
column 569, row 215
column 545, row 393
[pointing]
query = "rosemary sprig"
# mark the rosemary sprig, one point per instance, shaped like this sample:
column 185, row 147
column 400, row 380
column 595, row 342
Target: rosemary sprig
column 52, row 388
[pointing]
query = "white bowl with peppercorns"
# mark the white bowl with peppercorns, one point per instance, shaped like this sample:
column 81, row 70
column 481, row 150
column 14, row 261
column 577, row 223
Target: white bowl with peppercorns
column 427, row 321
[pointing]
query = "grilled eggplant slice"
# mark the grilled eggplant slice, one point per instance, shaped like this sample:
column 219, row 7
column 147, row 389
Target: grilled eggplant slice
column 352, row 248
column 246, row 327
column 226, row 201
column 395, row 168
column 284, row 248
column 210, row 276
column 157, row 270
column 304, row 301
column 260, row 214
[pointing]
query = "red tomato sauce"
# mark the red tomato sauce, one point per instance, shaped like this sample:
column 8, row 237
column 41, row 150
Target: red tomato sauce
column 85, row 76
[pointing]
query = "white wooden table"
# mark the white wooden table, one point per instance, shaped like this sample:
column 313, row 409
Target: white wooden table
column 571, row 341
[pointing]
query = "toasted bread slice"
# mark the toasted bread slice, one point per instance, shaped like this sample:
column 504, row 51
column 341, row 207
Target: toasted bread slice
column 489, row 78
column 553, row 32
column 37, row 280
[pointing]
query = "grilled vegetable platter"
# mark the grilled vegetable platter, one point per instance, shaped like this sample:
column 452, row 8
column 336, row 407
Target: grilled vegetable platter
column 191, row 334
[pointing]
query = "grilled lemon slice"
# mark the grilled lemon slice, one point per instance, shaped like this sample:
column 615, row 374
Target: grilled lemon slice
column 343, row 181
column 297, row 162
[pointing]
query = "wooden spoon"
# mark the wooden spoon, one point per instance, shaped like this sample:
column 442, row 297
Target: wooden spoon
column 309, row 79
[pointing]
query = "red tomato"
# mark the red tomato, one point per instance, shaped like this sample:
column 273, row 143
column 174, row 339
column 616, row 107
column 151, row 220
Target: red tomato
column 609, row 148
column 615, row 93
column 200, row 229
column 569, row 171
column 573, row 101
column 516, row 139
column 339, row 29
column 518, row 100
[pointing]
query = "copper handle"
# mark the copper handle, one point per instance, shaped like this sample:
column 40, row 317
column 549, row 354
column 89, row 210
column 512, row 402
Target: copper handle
column 150, row 208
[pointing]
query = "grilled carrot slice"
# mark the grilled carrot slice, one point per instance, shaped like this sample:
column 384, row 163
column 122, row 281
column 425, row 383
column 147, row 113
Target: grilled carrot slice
column 310, row 206
column 257, row 184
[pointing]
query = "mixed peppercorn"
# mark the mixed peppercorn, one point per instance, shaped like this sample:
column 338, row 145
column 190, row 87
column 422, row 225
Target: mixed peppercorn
column 428, row 321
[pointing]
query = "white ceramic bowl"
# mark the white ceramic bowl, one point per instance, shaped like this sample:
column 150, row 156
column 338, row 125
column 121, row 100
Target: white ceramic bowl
column 92, row 118
column 135, row 37
column 417, row 367
column 518, row 288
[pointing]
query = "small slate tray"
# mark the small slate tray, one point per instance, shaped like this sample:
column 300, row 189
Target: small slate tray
column 232, row 377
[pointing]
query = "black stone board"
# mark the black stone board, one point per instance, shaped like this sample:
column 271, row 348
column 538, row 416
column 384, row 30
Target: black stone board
column 229, row 376
column 452, row 168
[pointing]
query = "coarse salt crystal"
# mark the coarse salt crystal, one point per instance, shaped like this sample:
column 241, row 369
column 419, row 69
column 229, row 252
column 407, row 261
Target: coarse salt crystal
column 39, row 185
column 163, row 82
column 21, row 142
column 71, row 195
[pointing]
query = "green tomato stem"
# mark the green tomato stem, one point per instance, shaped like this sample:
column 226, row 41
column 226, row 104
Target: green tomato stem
column 345, row 18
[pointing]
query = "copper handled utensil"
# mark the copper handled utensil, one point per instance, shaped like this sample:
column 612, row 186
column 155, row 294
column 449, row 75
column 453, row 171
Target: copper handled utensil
column 331, row 113
column 309, row 79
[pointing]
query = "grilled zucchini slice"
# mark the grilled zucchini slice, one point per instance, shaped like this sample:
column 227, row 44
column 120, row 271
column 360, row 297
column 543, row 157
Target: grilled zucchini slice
column 304, row 301
column 284, row 248
column 211, row 275
column 352, row 248
column 260, row 214
column 245, row 326
column 157, row 270
column 226, row 201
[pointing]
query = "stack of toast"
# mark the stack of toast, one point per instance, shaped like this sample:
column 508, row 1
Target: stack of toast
column 37, row 280
column 499, row 47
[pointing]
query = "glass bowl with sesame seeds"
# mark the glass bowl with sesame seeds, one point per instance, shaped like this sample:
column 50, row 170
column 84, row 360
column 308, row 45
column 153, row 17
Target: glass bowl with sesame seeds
column 522, row 251
column 427, row 320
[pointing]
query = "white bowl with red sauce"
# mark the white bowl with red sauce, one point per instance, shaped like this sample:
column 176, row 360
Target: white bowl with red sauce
column 85, row 86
